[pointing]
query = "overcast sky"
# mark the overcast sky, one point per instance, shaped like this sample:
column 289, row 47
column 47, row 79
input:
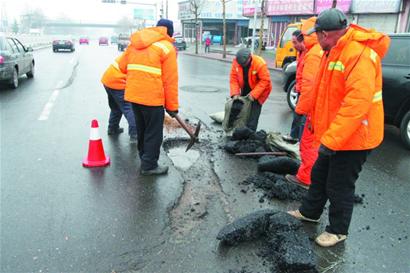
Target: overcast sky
column 82, row 10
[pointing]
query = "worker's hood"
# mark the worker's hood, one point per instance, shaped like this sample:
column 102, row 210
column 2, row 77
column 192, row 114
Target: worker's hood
column 309, row 40
column 146, row 37
column 377, row 41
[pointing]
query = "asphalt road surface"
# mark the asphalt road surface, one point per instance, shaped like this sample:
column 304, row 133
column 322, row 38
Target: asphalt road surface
column 57, row 216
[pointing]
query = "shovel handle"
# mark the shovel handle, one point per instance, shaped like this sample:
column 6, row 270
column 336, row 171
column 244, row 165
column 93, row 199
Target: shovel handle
column 262, row 153
column 183, row 125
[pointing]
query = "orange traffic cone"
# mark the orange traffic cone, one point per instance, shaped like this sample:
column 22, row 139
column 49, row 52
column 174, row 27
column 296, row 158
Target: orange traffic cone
column 96, row 156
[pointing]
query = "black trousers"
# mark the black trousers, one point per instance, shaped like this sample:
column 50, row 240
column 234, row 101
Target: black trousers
column 333, row 179
column 150, row 124
column 253, row 120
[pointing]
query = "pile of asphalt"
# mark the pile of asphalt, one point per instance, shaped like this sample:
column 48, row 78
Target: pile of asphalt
column 244, row 140
column 287, row 246
column 276, row 187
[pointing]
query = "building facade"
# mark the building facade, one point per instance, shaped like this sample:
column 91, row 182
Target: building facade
column 387, row 16
column 210, row 20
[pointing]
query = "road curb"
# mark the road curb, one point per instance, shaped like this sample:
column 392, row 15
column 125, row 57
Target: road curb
column 223, row 60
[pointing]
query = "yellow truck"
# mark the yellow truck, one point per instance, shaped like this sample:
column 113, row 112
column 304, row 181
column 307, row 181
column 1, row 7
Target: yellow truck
column 285, row 52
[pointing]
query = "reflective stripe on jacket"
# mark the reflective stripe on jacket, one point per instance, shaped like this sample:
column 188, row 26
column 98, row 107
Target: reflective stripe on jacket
column 113, row 77
column 151, row 66
column 259, row 79
column 348, row 113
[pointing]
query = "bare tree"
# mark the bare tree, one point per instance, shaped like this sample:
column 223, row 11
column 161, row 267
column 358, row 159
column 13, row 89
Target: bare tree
column 262, row 28
column 195, row 7
column 224, row 26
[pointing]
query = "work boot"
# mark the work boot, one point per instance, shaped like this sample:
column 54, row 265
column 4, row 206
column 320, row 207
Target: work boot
column 295, row 180
column 115, row 131
column 327, row 239
column 133, row 139
column 157, row 171
column 299, row 216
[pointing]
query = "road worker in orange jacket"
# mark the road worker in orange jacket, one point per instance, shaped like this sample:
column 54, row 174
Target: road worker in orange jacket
column 307, row 68
column 152, row 85
column 298, row 122
column 114, row 84
column 347, row 119
column 250, row 77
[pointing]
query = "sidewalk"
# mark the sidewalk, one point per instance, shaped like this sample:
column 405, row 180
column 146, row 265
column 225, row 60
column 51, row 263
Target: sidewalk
column 217, row 50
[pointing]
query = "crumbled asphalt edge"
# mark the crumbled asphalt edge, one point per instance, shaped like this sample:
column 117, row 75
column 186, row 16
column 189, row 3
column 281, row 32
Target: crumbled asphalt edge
column 206, row 146
column 287, row 248
column 72, row 76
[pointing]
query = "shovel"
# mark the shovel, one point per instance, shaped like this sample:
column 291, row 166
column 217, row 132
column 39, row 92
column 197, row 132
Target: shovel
column 193, row 136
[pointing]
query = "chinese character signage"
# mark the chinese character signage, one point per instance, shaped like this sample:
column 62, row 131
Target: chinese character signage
column 343, row 5
column 289, row 7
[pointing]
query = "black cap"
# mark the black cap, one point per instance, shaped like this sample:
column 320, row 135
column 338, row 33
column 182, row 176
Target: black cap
column 243, row 55
column 329, row 19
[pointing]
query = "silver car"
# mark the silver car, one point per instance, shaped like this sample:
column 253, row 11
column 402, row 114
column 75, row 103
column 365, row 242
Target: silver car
column 15, row 60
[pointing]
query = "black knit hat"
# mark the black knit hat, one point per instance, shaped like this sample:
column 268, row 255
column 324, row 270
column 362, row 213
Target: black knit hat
column 168, row 24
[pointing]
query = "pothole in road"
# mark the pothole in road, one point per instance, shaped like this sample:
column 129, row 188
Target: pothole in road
column 200, row 88
column 183, row 159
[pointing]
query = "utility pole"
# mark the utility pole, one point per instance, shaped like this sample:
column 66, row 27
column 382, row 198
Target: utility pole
column 255, row 11
column 224, row 28
column 166, row 6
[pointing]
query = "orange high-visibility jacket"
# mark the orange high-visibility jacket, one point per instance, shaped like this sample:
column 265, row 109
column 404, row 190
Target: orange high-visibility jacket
column 150, row 63
column 348, row 113
column 113, row 77
column 308, row 66
column 299, row 67
column 259, row 79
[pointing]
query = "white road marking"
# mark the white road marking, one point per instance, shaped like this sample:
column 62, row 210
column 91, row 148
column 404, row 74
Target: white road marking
column 49, row 105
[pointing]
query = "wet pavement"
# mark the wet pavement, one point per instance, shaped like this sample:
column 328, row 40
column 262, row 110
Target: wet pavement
column 57, row 216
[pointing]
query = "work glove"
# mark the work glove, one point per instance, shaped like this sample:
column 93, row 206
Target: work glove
column 249, row 96
column 326, row 151
column 172, row 113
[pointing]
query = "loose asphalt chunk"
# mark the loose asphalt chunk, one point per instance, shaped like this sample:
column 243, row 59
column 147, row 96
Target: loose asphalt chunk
column 280, row 165
column 293, row 252
column 247, row 228
column 288, row 247
column 245, row 146
column 276, row 187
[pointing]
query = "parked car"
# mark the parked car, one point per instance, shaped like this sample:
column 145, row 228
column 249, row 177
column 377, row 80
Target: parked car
column 84, row 40
column 103, row 41
column 65, row 44
column 114, row 39
column 396, row 85
column 123, row 41
column 180, row 43
column 15, row 61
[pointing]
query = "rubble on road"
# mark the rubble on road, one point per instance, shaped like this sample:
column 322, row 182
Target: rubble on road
column 288, row 247
column 275, row 186
column 247, row 228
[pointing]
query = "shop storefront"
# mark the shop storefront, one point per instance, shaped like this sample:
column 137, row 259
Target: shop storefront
column 382, row 15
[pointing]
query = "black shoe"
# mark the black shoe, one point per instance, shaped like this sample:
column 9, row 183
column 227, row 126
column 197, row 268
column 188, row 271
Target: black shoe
column 116, row 131
column 157, row 171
